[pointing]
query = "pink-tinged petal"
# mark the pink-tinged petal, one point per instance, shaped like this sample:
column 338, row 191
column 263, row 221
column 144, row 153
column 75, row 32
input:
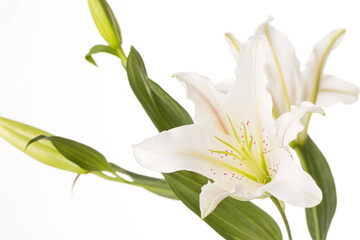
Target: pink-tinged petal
column 225, row 85
column 234, row 45
column 314, row 68
column 292, row 184
column 213, row 193
column 209, row 103
column 283, row 69
column 289, row 124
column 333, row 90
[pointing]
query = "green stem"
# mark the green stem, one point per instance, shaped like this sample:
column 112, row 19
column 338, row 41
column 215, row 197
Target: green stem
column 115, row 179
column 282, row 213
column 122, row 56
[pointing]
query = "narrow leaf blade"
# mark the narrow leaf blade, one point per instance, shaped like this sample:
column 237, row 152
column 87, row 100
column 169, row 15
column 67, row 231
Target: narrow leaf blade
column 163, row 110
column 318, row 218
column 99, row 49
column 171, row 109
column 80, row 154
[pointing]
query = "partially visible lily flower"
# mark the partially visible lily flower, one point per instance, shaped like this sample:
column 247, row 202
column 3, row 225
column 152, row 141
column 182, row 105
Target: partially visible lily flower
column 287, row 85
column 235, row 141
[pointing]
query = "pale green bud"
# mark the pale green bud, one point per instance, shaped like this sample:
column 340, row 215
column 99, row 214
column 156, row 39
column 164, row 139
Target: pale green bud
column 106, row 22
column 19, row 135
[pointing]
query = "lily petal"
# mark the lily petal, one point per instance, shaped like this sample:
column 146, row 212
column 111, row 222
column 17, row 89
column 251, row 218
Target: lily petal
column 225, row 85
column 282, row 69
column 185, row 148
column 289, row 124
column 234, row 45
column 213, row 193
column 292, row 184
column 209, row 103
column 314, row 67
column 172, row 150
column 249, row 102
column 333, row 90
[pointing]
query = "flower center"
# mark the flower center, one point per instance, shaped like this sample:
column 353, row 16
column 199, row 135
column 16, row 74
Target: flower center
column 248, row 152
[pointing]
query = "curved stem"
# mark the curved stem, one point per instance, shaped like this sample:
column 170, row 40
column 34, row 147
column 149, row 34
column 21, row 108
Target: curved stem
column 282, row 213
column 122, row 56
column 117, row 178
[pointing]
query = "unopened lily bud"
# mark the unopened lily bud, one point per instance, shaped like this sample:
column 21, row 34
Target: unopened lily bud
column 106, row 22
column 19, row 135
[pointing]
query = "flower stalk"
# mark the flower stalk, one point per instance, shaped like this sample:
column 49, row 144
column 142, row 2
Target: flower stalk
column 283, row 215
column 122, row 56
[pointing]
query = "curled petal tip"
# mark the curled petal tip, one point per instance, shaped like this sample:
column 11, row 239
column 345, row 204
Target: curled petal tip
column 177, row 75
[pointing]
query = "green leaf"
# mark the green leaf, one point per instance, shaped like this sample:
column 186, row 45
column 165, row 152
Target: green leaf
column 154, row 185
column 19, row 135
column 164, row 111
column 80, row 154
column 319, row 217
column 94, row 162
column 232, row 219
column 99, row 49
column 172, row 110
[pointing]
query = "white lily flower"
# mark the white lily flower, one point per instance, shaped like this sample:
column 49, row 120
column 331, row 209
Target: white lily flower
column 235, row 141
column 287, row 85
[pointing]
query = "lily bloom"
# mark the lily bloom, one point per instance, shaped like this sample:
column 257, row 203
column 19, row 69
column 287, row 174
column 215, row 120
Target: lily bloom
column 235, row 141
column 287, row 84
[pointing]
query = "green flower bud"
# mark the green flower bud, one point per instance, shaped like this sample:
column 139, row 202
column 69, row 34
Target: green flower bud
column 106, row 22
column 19, row 135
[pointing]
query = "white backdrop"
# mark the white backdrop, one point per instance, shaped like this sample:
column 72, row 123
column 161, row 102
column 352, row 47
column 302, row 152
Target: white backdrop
column 46, row 82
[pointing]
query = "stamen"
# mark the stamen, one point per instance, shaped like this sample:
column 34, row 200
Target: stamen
column 248, row 175
column 228, row 144
column 234, row 131
column 250, row 142
column 245, row 134
column 244, row 153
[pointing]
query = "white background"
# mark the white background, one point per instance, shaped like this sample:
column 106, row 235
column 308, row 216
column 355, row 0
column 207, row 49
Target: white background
column 45, row 82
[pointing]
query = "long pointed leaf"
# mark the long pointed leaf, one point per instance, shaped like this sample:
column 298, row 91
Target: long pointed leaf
column 80, row 154
column 163, row 110
column 99, row 49
column 173, row 111
column 94, row 162
column 319, row 217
